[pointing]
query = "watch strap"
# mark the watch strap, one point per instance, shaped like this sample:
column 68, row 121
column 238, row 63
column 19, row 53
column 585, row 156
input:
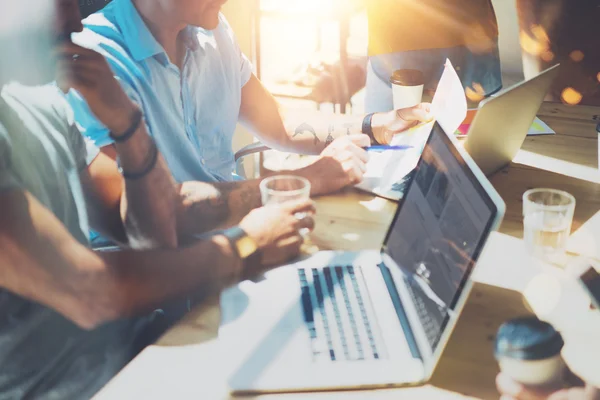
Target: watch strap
column 367, row 128
column 236, row 235
column 251, row 263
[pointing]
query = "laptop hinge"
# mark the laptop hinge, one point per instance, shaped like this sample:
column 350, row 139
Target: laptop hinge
column 402, row 317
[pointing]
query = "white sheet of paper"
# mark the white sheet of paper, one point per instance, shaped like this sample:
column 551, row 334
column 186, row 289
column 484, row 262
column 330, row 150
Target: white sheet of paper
column 539, row 127
column 387, row 171
column 449, row 105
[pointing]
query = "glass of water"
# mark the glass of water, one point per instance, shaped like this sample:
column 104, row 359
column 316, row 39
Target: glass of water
column 547, row 219
column 283, row 188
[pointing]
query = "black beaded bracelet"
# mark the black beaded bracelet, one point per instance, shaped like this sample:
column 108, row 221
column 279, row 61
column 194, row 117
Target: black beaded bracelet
column 135, row 124
column 367, row 129
column 146, row 170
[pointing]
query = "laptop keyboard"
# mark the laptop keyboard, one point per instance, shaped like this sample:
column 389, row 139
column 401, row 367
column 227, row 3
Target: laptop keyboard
column 338, row 314
column 430, row 314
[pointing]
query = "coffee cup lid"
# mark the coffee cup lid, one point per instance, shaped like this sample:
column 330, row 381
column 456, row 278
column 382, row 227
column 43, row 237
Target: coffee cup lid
column 407, row 77
column 527, row 338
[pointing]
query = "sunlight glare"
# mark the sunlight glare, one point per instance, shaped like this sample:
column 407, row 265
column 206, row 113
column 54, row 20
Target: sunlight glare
column 543, row 293
column 295, row 38
column 536, row 45
column 351, row 237
column 377, row 204
column 317, row 8
column 476, row 93
column 557, row 166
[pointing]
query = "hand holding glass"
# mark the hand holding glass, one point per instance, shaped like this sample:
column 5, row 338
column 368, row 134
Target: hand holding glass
column 283, row 188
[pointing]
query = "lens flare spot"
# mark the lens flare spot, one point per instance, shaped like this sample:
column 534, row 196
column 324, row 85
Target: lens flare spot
column 477, row 39
column 540, row 33
column 475, row 93
column 547, row 56
column 536, row 42
column 598, row 76
column 576, row 55
column 571, row 96
column 532, row 46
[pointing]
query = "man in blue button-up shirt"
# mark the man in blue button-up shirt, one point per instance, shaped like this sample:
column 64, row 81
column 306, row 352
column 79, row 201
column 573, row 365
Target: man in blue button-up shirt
column 180, row 62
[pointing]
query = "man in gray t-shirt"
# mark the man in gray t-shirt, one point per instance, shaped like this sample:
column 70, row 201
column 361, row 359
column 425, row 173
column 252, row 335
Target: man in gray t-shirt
column 71, row 318
column 41, row 151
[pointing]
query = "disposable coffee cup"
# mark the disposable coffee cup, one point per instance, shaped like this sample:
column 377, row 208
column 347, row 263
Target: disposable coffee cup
column 528, row 351
column 407, row 87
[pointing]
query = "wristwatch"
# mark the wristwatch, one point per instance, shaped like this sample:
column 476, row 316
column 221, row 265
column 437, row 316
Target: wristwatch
column 367, row 128
column 242, row 244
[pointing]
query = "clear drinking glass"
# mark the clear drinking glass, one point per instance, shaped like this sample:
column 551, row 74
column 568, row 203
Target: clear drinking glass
column 283, row 188
column 547, row 219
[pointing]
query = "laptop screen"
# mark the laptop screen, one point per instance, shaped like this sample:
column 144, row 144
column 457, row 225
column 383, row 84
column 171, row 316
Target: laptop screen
column 438, row 231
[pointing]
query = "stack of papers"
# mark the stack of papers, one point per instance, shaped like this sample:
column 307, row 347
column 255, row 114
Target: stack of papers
column 389, row 172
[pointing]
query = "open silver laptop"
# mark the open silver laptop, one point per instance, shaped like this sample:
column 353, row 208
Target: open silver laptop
column 502, row 122
column 340, row 320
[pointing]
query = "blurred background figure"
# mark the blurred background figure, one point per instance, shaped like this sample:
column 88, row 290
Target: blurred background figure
column 26, row 66
column 566, row 32
column 421, row 34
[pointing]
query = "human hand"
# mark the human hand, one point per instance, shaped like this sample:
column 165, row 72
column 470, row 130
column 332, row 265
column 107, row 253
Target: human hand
column 342, row 163
column 512, row 390
column 88, row 72
column 386, row 125
column 276, row 229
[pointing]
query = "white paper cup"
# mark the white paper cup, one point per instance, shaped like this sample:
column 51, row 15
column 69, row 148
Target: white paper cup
column 546, row 372
column 529, row 351
column 407, row 88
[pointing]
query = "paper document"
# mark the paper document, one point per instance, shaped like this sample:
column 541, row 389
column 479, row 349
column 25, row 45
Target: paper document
column 449, row 105
column 389, row 172
column 539, row 127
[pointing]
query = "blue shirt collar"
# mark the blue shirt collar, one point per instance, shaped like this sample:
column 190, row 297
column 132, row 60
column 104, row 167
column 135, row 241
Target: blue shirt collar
column 138, row 38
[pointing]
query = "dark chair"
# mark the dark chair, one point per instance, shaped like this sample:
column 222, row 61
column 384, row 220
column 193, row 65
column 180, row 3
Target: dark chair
column 87, row 7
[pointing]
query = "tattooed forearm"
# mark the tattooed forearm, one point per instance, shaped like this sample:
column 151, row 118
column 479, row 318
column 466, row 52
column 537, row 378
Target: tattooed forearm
column 149, row 208
column 304, row 128
column 207, row 206
column 349, row 128
column 329, row 138
column 324, row 134
column 311, row 133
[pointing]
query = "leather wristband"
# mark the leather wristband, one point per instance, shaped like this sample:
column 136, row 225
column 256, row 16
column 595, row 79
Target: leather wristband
column 135, row 124
column 367, row 129
column 150, row 164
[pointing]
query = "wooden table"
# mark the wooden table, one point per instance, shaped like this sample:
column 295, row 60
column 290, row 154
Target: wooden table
column 185, row 363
